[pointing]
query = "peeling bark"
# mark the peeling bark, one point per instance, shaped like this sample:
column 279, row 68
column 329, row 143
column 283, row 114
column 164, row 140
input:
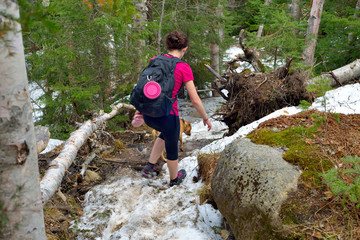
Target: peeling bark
column 53, row 176
column 21, row 209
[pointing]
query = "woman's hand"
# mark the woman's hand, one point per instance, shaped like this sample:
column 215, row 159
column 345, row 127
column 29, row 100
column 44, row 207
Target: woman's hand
column 196, row 101
column 208, row 123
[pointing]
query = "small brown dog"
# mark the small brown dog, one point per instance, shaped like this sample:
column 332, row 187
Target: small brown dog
column 185, row 127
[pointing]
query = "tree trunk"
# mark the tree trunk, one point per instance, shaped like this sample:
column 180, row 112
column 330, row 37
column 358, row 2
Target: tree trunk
column 261, row 27
column 140, row 21
column 160, row 25
column 312, row 31
column 21, row 208
column 295, row 12
column 356, row 16
column 139, row 25
column 215, row 64
column 215, row 49
column 53, row 176
column 341, row 75
column 295, row 9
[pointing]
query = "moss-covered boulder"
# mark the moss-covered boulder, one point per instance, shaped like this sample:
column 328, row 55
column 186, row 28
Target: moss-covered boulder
column 249, row 185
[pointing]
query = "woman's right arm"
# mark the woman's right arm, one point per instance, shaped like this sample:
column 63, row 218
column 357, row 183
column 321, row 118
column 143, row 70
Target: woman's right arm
column 196, row 102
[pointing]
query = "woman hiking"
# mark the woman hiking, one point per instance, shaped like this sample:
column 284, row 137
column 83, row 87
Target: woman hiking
column 169, row 126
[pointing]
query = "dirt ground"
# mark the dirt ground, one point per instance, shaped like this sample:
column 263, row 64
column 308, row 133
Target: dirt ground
column 341, row 136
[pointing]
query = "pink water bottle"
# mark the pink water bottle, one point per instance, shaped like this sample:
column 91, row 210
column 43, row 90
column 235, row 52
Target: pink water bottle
column 138, row 119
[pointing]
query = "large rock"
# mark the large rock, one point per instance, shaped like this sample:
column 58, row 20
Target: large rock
column 249, row 185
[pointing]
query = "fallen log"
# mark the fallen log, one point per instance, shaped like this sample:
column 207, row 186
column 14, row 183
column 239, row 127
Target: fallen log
column 341, row 75
column 55, row 173
column 86, row 163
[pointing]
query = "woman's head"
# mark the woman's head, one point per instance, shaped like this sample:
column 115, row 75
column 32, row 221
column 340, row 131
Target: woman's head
column 176, row 40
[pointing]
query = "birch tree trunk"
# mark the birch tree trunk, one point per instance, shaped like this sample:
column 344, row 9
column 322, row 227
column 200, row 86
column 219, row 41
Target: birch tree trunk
column 312, row 31
column 139, row 22
column 341, row 75
column 56, row 171
column 21, row 208
column 139, row 25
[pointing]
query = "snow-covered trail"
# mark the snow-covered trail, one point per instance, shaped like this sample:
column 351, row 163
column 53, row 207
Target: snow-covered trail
column 131, row 207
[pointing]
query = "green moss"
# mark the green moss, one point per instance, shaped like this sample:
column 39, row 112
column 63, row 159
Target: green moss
column 285, row 138
column 310, row 159
column 301, row 151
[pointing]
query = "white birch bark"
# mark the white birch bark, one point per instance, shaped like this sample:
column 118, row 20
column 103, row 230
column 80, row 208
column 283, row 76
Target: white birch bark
column 21, row 207
column 140, row 21
column 312, row 31
column 139, row 27
column 56, row 171
column 343, row 74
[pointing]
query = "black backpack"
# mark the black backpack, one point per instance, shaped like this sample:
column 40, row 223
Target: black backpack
column 160, row 70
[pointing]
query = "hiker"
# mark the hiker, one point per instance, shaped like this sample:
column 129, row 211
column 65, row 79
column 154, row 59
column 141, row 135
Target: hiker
column 169, row 126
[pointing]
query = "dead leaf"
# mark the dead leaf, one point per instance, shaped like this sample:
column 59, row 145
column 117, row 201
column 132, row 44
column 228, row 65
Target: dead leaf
column 328, row 194
column 318, row 235
column 286, row 112
column 309, row 141
column 224, row 233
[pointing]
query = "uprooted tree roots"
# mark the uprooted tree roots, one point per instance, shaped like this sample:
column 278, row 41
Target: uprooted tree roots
column 252, row 96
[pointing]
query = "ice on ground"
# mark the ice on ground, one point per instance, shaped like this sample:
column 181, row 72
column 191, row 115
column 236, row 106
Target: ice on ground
column 132, row 207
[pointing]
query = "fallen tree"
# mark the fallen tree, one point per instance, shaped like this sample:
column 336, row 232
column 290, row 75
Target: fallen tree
column 55, row 173
column 341, row 75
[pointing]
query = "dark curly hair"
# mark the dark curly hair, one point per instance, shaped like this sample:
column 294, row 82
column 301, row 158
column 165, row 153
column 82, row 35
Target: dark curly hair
column 176, row 40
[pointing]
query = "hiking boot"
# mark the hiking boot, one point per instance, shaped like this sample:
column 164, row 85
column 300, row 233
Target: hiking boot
column 150, row 171
column 180, row 177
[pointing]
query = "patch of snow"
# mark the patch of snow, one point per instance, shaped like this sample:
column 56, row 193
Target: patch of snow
column 344, row 100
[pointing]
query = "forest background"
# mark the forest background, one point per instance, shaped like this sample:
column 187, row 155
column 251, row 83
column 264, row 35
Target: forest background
column 87, row 55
